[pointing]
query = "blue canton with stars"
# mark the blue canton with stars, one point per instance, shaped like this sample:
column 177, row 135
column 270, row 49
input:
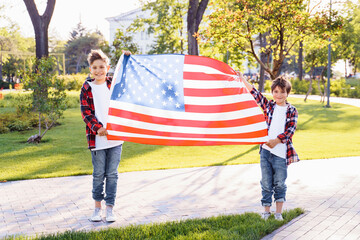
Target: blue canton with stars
column 151, row 80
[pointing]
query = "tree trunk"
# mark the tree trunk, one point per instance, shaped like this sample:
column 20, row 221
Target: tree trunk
column 321, row 80
column 310, row 85
column 346, row 68
column 309, row 91
column 300, row 60
column 78, row 62
column 262, row 38
column 276, row 68
column 195, row 14
column 41, row 25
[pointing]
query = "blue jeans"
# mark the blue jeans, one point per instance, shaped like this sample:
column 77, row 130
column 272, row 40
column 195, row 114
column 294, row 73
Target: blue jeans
column 273, row 176
column 105, row 163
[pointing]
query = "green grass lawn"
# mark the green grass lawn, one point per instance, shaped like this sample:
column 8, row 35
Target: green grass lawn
column 322, row 133
column 245, row 226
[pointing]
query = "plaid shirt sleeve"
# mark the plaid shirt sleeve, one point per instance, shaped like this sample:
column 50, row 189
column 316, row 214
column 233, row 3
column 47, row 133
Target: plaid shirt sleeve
column 290, row 127
column 260, row 99
column 88, row 114
column 88, row 110
column 286, row 137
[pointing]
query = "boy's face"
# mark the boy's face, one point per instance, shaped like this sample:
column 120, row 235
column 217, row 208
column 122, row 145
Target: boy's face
column 280, row 96
column 99, row 69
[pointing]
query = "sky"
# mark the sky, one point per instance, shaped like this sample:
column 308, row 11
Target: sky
column 68, row 13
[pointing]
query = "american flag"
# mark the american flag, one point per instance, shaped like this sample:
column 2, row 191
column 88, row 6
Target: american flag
column 182, row 100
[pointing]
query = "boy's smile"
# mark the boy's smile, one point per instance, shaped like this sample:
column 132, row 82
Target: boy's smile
column 280, row 96
column 99, row 70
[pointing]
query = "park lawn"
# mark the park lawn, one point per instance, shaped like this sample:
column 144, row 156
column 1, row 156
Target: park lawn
column 238, row 226
column 322, row 133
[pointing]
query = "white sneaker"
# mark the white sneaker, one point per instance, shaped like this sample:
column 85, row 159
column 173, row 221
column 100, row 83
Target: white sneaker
column 265, row 215
column 110, row 217
column 96, row 217
column 278, row 217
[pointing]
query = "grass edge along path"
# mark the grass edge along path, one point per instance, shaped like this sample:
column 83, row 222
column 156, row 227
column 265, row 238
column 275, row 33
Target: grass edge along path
column 237, row 226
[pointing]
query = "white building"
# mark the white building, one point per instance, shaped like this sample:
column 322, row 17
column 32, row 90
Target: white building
column 123, row 21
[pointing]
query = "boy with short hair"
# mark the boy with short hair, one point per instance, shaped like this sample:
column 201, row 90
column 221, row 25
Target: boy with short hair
column 278, row 152
column 94, row 100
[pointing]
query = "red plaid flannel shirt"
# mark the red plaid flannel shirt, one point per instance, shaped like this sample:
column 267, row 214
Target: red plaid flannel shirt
column 88, row 111
column 290, row 123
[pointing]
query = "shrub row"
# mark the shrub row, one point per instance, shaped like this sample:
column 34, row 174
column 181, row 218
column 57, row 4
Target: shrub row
column 17, row 99
column 17, row 122
column 73, row 81
column 338, row 88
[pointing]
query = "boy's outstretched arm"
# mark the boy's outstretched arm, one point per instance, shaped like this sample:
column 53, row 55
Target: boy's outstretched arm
column 259, row 98
column 247, row 84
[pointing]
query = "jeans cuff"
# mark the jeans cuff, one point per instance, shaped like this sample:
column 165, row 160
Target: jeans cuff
column 266, row 204
column 280, row 200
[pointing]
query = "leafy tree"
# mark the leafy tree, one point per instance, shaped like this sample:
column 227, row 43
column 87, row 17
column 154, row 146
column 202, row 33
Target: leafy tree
column 166, row 23
column 48, row 96
column 79, row 46
column 194, row 17
column 11, row 67
column 282, row 23
column 316, row 56
column 13, row 47
column 123, row 40
column 349, row 39
column 41, row 25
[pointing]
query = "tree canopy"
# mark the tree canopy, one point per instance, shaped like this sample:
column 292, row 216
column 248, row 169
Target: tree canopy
column 166, row 22
column 282, row 23
column 79, row 46
column 123, row 41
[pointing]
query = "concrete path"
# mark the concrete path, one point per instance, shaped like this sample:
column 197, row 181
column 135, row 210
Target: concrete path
column 329, row 191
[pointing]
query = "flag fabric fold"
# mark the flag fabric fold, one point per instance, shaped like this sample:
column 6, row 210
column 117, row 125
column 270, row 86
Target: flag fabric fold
column 182, row 100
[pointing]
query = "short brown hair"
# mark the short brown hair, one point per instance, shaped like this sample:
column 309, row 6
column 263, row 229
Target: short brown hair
column 96, row 54
column 282, row 83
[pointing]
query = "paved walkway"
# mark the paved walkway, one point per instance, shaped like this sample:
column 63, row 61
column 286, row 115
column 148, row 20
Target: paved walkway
column 328, row 189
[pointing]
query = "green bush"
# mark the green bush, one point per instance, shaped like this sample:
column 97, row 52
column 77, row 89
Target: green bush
column 354, row 92
column 339, row 88
column 14, row 99
column 3, row 128
column 17, row 122
column 302, row 87
column 18, row 125
column 353, row 82
column 268, row 85
column 73, row 81
column 72, row 100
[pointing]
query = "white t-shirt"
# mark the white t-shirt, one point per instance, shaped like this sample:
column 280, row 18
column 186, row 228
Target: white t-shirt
column 277, row 127
column 101, row 97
